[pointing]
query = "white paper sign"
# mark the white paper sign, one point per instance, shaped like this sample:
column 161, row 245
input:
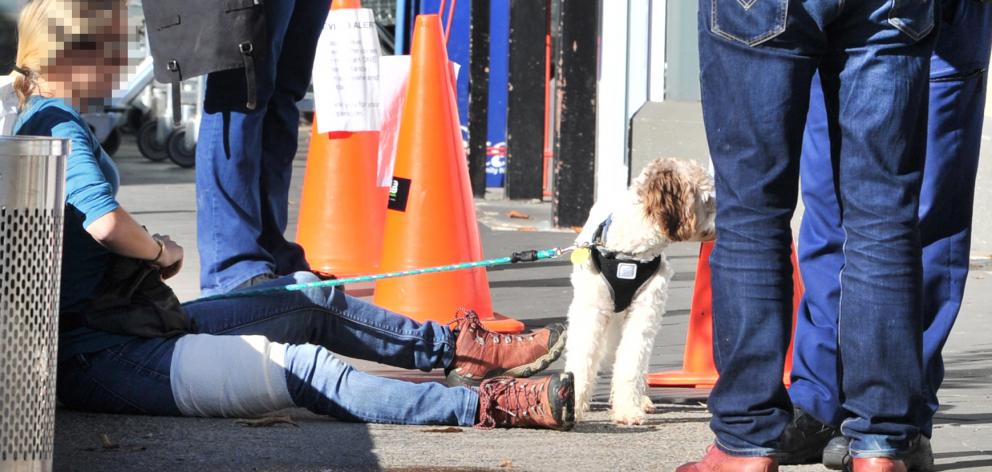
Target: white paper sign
column 346, row 73
column 395, row 76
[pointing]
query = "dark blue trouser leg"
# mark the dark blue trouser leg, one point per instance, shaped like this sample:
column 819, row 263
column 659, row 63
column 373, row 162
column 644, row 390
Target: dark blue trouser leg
column 816, row 367
column 957, row 97
column 281, row 126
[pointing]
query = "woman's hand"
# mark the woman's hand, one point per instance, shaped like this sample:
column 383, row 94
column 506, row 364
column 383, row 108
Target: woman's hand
column 171, row 259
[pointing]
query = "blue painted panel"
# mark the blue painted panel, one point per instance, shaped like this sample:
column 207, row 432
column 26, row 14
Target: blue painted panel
column 499, row 58
column 458, row 47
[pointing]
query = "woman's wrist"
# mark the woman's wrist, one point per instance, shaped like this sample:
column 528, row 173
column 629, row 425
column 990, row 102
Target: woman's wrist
column 161, row 251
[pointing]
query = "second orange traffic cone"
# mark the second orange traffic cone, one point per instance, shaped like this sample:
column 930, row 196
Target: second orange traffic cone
column 698, row 368
column 431, row 216
column 342, row 208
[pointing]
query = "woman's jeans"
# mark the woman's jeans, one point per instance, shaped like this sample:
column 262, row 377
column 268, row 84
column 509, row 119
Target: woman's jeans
column 134, row 377
column 757, row 62
column 244, row 158
column 958, row 79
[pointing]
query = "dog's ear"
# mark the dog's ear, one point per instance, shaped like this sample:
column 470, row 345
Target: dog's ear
column 667, row 192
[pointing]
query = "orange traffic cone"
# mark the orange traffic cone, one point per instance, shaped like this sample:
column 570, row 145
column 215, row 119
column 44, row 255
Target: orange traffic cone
column 698, row 368
column 431, row 217
column 342, row 208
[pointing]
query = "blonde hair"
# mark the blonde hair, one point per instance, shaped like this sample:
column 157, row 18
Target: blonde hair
column 45, row 27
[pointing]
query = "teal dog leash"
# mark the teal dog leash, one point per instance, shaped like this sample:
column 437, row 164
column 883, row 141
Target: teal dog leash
column 522, row 256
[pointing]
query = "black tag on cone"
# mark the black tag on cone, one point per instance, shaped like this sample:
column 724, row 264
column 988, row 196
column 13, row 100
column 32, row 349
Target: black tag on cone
column 399, row 192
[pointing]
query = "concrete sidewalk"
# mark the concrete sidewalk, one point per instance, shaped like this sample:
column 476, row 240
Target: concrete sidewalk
column 161, row 196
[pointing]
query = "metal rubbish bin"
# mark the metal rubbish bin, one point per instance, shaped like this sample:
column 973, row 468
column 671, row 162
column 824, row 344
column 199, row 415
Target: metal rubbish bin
column 32, row 198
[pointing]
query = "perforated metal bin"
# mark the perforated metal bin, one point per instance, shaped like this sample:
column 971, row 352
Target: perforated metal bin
column 32, row 198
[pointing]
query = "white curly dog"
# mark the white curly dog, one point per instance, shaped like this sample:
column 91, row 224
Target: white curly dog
column 620, row 279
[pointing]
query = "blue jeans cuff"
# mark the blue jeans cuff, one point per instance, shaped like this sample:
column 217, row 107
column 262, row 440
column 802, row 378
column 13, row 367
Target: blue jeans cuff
column 470, row 415
column 875, row 446
column 743, row 451
column 447, row 338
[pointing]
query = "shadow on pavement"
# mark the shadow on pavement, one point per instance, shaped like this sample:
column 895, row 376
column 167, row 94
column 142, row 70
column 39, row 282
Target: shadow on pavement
column 550, row 282
column 962, row 465
column 968, row 370
column 209, row 444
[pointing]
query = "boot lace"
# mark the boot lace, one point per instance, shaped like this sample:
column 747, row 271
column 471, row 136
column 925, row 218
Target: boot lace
column 469, row 319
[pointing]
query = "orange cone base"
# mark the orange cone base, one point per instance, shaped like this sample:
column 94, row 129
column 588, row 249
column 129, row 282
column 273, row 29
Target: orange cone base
column 503, row 324
column 683, row 379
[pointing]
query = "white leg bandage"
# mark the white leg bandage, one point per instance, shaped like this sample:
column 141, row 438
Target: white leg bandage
column 229, row 376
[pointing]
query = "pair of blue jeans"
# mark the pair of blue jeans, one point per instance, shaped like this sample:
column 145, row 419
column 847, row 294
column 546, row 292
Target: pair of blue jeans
column 244, row 157
column 757, row 62
column 958, row 78
column 133, row 378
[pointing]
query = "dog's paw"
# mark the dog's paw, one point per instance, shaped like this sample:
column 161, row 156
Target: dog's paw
column 627, row 416
column 647, row 405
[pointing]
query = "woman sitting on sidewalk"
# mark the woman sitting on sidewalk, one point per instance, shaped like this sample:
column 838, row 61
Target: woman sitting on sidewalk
column 127, row 346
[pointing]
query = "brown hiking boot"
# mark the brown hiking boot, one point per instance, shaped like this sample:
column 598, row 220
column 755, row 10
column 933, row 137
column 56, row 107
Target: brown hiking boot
column 481, row 354
column 548, row 402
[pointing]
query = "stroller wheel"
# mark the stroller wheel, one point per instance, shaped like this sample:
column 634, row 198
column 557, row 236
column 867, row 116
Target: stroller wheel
column 148, row 143
column 181, row 153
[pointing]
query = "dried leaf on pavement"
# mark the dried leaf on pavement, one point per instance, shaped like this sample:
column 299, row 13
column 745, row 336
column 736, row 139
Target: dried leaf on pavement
column 449, row 429
column 267, row 421
column 107, row 443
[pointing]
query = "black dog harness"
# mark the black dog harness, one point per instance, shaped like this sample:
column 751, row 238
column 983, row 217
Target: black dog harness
column 624, row 277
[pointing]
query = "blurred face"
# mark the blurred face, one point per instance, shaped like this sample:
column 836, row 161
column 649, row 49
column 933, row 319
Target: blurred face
column 88, row 66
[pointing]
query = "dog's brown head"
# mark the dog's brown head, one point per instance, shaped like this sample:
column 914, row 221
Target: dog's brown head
column 677, row 196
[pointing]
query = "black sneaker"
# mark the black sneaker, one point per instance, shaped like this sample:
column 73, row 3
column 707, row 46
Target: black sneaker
column 837, row 455
column 804, row 440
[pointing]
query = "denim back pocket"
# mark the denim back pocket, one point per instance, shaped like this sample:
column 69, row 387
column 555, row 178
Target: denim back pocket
column 915, row 18
column 751, row 22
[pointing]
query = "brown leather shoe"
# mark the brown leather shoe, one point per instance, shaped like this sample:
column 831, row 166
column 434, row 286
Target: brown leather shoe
column 719, row 461
column 548, row 402
column 481, row 354
column 877, row 464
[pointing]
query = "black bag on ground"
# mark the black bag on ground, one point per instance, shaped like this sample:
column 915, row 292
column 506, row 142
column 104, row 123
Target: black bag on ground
column 189, row 38
column 134, row 300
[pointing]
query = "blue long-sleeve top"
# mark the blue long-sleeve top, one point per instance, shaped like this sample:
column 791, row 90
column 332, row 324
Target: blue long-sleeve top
column 91, row 188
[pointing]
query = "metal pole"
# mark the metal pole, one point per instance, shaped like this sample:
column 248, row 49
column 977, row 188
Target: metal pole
column 478, row 99
column 402, row 25
column 577, row 53
column 525, row 104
